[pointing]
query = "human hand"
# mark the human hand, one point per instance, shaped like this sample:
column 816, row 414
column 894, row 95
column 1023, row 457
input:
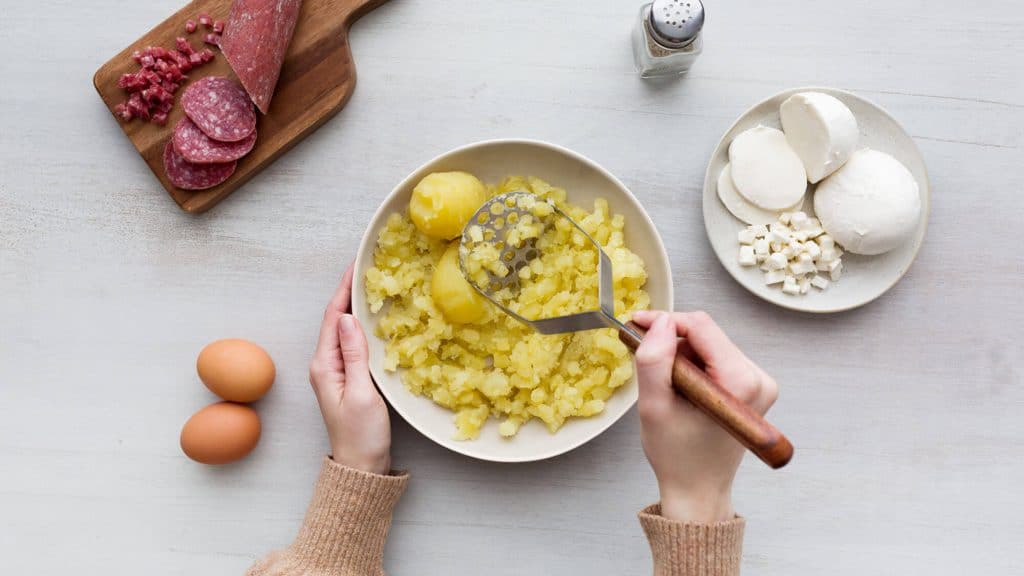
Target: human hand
column 693, row 458
column 356, row 417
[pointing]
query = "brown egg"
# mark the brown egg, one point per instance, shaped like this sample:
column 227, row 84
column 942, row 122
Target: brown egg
column 220, row 433
column 236, row 370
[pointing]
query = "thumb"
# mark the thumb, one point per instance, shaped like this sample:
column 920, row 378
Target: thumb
column 654, row 359
column 354, row 352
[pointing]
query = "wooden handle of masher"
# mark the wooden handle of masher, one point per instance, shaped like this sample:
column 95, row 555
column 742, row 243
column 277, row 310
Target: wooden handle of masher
column 746, row 426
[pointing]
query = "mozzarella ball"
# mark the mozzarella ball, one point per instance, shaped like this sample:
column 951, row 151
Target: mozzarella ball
column 870, row 205
column 821, row 130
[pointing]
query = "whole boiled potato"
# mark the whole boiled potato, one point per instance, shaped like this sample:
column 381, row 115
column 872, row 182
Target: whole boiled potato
column 457, row 299
column 236, row 370
column 220, row 433
column 443, row 202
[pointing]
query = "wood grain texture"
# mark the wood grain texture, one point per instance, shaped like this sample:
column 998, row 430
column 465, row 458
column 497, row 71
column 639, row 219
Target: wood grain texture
column 317, row 79
column 906, row 413
column 744, row 424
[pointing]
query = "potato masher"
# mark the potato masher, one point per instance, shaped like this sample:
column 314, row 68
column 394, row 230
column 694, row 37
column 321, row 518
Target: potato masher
column 489, row 229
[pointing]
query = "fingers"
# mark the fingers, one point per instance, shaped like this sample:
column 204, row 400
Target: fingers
column 746, row 380
column 355, row 354
column 704, row 336
column 654, row 358
column 328, row 342
column 644, row 318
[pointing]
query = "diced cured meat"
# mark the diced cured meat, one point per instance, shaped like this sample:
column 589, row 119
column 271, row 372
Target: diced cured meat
column 196, row 147
column 212, row 39
column 190, row 26
column 218, row 26
column 254, row 42
column 151, row 89
column 189, row 176
column 220, row 108
column 205, row 20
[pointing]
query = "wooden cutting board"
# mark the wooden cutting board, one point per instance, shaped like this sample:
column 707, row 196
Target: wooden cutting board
column 316, row 81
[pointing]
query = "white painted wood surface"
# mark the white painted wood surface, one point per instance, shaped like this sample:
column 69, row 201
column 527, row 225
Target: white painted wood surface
column 908, row 414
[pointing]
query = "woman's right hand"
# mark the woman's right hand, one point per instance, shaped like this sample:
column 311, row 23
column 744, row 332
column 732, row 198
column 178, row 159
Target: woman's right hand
column 693, row 458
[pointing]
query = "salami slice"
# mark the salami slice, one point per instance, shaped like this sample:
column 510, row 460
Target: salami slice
column 254, row 43
column 196, row 147
column 220, row 108
column 189, row 176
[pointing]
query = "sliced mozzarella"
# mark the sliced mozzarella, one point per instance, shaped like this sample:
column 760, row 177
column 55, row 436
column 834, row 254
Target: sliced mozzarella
column 740, row 206
column 871, row 205
column 821, row 130
column 765, row 170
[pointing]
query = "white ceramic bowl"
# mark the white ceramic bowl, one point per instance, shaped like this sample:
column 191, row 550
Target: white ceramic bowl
column 864, row 277
column 584, row 181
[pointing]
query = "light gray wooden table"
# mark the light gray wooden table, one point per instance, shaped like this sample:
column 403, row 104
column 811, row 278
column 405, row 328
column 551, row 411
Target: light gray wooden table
column 907, row 414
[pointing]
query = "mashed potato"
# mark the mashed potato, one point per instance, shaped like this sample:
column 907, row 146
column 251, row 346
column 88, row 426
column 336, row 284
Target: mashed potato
column 494, row 365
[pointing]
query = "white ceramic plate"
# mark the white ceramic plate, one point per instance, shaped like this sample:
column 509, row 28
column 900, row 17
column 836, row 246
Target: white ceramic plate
column 584, row 181
column 864, row 277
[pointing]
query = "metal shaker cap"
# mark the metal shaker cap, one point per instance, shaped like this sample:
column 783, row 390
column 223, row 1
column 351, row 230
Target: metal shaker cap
column 676, row 23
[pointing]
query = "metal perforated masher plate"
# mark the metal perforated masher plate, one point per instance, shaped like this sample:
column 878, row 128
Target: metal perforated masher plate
column 494, row 218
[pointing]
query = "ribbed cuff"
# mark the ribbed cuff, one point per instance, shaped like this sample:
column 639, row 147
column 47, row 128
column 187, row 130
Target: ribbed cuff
column 347, row 521
column 690, row 549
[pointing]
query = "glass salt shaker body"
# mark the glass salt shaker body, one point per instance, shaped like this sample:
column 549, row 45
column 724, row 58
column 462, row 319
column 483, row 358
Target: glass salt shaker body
column 667, row 39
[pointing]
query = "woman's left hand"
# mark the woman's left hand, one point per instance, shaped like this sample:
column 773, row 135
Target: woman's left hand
column 355, row 415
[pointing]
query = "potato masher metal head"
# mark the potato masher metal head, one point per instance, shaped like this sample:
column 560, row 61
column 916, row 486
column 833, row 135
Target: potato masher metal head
column 492, row 233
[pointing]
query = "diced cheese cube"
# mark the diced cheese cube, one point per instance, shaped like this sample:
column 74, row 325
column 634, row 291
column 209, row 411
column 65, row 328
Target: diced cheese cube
column 774, row 277
column 814, row 232
column 746, row 236
column 787, row 252
column 789, row 286
column 777, row 261
column 785, row 217
column 747, row 257
column 759, row 230
column 819, row 282
column 821, row 265
column 796, row 246
column 761, row 247
column 800, row 236
column 805, row 285
column 775, row 246
column 825, row 241
column 828, row 255
column 779, row 233
column 801, row 267
column 763, row 266
column 836, row 271
column 812, row 249
column 798, row 221
column 805, row 257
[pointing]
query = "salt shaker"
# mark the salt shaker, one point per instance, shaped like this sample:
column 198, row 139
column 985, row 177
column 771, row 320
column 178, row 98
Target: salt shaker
column 667, row 39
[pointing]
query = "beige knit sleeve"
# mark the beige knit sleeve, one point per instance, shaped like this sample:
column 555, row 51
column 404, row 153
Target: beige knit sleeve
column 684, row 549
column 345, row 527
